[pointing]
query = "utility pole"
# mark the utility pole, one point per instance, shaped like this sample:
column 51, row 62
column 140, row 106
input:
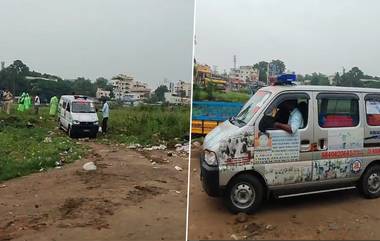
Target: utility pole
column 234, row 61
column 268, row 74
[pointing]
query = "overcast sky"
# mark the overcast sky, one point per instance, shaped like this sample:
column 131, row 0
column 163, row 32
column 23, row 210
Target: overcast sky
column 149, row 39
column 308, row 35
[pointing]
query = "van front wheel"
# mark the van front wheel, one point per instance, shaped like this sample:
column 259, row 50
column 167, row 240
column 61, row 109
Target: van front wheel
column 244, row 194
column 70, row 132
column 370, row 182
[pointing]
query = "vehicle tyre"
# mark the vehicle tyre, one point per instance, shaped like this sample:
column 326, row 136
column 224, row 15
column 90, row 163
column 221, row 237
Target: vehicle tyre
column 244, row 194
column 70, row 132
column 60, row 125
column 369, row 184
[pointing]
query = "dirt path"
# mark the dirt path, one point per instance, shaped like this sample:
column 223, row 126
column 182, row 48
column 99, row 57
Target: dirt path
column 338, row 215
column 126, row 198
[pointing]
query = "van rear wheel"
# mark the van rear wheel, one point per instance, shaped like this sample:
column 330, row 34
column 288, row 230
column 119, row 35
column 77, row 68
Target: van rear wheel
column 244, row 194
column 370, row 182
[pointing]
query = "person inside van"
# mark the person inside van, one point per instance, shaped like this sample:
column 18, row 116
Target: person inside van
column 295, row 120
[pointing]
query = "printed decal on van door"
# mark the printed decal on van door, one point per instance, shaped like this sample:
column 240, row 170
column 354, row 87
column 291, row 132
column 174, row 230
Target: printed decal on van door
column 236, row 151
column 288, row 173
column 276, row 146
column 336, row 168
column 345, row 139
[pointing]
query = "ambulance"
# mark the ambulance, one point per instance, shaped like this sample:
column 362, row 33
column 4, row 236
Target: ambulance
column 246, row 159
column 77, row 115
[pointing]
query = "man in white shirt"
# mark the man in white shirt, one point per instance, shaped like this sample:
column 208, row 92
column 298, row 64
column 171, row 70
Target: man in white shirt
column 105, row 113
column 295, row 120
column 37, row 103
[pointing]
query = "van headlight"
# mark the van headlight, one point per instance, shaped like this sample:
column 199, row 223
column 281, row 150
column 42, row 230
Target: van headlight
column 96, row 122
column 75, row 122
column 210, row 158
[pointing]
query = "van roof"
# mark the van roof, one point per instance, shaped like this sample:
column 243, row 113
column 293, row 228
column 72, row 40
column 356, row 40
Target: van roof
column 74, row 97
column 281, row 88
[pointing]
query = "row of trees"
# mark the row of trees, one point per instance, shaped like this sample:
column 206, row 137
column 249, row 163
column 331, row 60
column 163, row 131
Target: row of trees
column 16, row 78
column 354, row 77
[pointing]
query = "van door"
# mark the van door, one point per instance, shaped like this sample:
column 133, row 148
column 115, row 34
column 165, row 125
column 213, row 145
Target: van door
column 66, row 115
column 338, row 136
column 286, row 157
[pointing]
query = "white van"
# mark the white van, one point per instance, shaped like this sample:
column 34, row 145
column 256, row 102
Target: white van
column 77, row 115
column 245, row 159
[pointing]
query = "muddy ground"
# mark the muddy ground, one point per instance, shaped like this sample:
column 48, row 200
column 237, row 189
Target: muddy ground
column 126, row 198
column 335, row 215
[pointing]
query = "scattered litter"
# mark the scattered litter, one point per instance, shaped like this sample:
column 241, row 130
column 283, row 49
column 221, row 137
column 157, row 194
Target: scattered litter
column 58, row 167
column 59, row 163
column 42, row 169
column 160, row 147
column 194, row 170
column 47, row 139
column 183, row 148
column 170, row 153
column 134, row 146
column 178, row 192
column 241, row 218
column 234, row 237
column 178, row 168
column 89, row 166
column 2, row 186
column 196, row 144
column 178, row 145
column 154, row 163
column 333, row 226
column 269, row 227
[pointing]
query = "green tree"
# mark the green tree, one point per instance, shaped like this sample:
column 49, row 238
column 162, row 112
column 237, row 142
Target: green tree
column 278, row 65
column 352, row 78
column 82, row 86
column 319, row 79
column 101, row 82
column 160, row 92
column 262, row 66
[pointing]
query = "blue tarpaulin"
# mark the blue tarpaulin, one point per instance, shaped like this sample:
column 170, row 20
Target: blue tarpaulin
column 215, row 111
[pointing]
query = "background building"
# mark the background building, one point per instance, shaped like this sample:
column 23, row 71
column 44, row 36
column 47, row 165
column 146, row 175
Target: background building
column 125, row 86
column 101, row 93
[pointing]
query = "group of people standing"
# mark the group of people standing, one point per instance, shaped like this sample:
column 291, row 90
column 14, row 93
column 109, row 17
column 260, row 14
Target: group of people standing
column 25, row 102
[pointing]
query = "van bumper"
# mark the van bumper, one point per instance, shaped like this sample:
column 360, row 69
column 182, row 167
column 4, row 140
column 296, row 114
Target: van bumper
column 85, row 129
column 210, row 179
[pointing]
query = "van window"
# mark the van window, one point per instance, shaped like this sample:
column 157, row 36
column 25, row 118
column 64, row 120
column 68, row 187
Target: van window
column 338, row 112
column 373, row 112
column 278, row 111
column 68, row 107
column 250, row 108
column 83, row 107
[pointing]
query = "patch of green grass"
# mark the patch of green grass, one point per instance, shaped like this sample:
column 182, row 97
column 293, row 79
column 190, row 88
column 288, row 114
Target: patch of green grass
column 22, row 147
column 221, row 96
column 148, row 125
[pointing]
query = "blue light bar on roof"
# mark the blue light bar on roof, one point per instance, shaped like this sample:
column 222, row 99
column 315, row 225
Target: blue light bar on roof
column 287, row 77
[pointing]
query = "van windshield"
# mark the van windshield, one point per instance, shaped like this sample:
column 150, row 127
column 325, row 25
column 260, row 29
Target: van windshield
column 83, row 107
column 250, row 108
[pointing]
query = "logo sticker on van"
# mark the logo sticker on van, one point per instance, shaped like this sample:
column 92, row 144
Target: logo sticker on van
column 356, row 166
